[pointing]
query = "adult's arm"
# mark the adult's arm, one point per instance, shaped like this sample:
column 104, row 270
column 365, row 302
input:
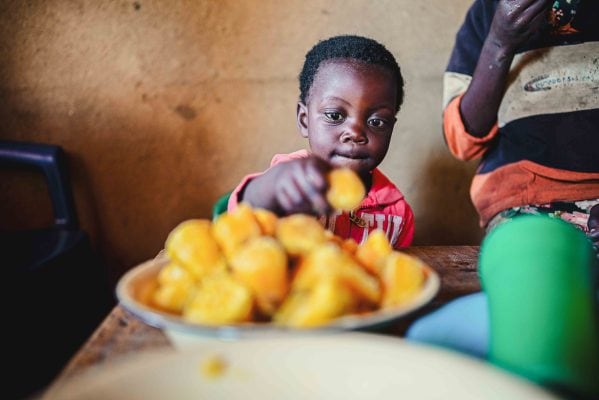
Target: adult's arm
column 514, row 22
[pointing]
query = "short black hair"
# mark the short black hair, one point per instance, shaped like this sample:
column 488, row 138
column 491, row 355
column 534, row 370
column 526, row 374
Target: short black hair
column 350, row 47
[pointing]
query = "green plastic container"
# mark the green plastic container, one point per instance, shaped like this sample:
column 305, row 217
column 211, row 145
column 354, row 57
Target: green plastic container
column 540, row 275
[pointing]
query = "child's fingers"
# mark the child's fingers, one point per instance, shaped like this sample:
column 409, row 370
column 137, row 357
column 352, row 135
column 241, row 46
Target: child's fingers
column 288, row 196
column 292, row 198
column 314, row 185
column 313, row 197
column 316, row 177
column 320, row 205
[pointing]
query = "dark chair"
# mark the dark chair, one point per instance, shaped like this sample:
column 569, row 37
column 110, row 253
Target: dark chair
column 57, row 289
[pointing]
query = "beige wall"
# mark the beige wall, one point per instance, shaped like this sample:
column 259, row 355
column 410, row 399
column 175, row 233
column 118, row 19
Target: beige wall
column 164, row 105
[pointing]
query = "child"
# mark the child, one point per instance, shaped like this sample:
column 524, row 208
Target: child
column 351, row 88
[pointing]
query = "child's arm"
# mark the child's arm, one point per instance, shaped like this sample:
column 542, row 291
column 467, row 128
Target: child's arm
column 514, row 22
column 296, row 186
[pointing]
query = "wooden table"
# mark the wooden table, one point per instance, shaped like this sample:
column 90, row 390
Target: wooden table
column 121, row 332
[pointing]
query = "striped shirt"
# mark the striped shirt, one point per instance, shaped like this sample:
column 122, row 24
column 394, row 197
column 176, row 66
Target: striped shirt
column 545, row 144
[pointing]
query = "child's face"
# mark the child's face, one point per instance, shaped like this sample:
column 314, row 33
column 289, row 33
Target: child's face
column 350, row 114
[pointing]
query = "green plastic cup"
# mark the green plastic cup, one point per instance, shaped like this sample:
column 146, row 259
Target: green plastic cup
column 540, row 276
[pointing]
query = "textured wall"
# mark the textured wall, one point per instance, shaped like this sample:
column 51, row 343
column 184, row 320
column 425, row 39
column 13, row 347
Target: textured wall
column 164, row 105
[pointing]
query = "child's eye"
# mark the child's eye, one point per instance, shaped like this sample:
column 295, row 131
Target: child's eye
column 333, row 116
column 378, row 123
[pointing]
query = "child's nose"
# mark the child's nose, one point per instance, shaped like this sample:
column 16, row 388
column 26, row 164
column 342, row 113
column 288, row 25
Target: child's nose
column 354, row 133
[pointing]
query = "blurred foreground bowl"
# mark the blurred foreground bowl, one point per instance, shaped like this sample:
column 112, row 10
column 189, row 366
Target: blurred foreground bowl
column 136, row 286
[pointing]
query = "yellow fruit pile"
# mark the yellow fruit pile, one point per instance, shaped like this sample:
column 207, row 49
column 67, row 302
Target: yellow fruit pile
column 250, row 265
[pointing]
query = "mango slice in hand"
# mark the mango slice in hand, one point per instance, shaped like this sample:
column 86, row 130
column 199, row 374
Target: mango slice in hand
column 346, row 189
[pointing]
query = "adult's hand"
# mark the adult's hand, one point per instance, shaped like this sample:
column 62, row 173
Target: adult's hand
column 514, row 22
column 517, row 21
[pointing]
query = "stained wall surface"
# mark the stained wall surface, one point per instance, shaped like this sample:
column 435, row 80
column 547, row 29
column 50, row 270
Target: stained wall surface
column 162, row 106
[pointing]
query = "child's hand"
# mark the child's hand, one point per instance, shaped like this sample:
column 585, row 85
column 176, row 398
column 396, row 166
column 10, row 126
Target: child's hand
column 516, row 21
column 297, row 186
column 300, row 186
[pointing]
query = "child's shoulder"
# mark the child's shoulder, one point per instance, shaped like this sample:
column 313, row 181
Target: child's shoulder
column 284, row 157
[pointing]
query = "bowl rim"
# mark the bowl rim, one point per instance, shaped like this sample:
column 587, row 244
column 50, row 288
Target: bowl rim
column 127, row 284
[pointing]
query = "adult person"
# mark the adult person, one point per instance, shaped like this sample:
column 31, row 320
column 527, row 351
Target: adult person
column 521, row 93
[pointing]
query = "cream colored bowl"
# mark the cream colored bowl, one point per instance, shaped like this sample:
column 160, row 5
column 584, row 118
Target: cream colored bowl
column 344, row 366
column 136, row 284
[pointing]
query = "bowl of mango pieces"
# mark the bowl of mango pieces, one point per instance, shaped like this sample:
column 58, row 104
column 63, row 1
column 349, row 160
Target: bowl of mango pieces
column 250, row 273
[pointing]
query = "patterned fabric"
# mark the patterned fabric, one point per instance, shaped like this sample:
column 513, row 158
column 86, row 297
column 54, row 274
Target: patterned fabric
column 576, row 213
column 563, row 13
column 545, row 145
column 384, row 208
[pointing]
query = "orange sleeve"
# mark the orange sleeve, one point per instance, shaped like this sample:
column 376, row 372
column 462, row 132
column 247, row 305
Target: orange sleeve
column 234, row 198
column 461, row 144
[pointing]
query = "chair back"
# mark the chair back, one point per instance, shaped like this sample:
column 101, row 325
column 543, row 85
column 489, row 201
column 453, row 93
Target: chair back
column 58, row 291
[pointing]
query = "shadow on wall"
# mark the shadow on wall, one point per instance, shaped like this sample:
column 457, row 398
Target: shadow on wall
column 440, row 222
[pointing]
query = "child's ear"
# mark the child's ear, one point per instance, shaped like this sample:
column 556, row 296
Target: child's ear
column 302, row 119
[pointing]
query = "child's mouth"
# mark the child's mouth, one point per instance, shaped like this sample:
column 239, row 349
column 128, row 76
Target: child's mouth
column 351, row 156
column 348, row 160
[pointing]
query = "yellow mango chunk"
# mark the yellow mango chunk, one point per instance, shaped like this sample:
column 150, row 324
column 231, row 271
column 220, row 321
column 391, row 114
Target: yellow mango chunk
column 300, row 233
column 219, row 300
column 145, row 291
column 373, row 252
column 346, row 189
column 192, row 245
column 403, row 277
column 173, row 273
column 328, row 262
column 232, row 229
column 173, row 296
column 327, row 300
column 348, row 245
column 261, row 264
column 267, row 221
